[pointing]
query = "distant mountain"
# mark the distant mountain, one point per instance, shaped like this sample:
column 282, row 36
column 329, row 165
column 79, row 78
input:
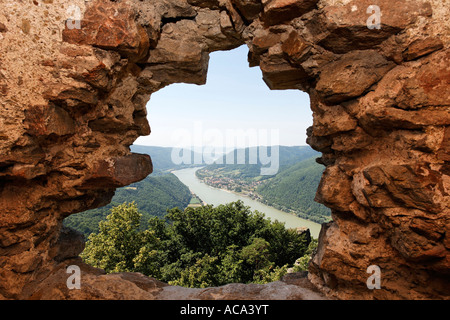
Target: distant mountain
column 168, row 158
column 165, row 158
column 287, row 156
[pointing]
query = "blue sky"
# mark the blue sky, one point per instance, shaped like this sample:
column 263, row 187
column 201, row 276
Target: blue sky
column 235, row 98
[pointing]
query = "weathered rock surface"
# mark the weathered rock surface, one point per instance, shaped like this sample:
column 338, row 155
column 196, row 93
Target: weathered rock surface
column 95, row 285
column 72, row 101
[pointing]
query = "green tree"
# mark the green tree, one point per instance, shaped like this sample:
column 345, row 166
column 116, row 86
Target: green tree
column 118, row 245
column 302, row 263
column 256, row 254
column 205, row 246
column 200, row 274
column 231, row 269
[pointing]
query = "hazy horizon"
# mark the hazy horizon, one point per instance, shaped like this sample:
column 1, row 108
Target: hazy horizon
column 235, row 98
column 210, row 146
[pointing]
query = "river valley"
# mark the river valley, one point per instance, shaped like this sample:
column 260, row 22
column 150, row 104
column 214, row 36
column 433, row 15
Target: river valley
column 216, row 196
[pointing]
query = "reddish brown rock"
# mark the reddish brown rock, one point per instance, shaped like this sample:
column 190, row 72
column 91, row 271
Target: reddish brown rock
column 119, row 172
column 443, row 153
column 429, row 84
column 261, row 44
column 295, row 46
column 344, row 28
column 186, row 59
column 335, row 189
column 329, row 120
column 3, row 27
column 69, row 245
column 422, row 47
column 406, row 185
column 279, row 11
column 213, row 4
column 48, row 120
column 250, row 9
column 72, row 101
column 281, row 75
column 352, row 75
column 110, row 26
column 72, row 97
column 352, row 140
column 96, row 285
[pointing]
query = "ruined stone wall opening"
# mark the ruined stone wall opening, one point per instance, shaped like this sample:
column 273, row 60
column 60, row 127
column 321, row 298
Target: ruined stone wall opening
column 233, row 97
column 75, row 78
column 234, row 103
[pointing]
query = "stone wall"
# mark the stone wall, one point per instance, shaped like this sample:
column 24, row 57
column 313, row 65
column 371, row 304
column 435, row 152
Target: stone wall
column 73, row 94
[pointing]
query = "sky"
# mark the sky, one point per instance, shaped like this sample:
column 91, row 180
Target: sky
column 235, row 108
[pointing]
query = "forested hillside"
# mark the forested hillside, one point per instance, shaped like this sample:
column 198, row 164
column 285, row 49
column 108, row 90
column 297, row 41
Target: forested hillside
column 287, row 157
column 294, row 189
column 153, row 196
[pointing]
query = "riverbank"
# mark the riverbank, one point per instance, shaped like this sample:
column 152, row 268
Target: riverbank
column 245, row 190
column 215, row 196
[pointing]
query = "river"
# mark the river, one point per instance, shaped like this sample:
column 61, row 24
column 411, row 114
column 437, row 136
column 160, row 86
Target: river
column 216, row 196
